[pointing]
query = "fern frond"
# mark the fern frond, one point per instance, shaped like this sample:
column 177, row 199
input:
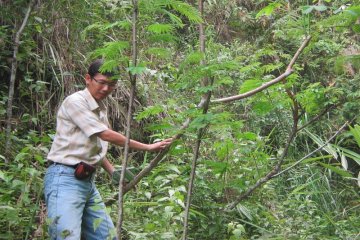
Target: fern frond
column 271, row 67
column 126, row 25
column 174, row 19
column 112, row 50
column 191, row 13
column 163, row 38
column 194, row 58
column 187, row 10
column 161, row 28
column 95, row 27
column 110, row 66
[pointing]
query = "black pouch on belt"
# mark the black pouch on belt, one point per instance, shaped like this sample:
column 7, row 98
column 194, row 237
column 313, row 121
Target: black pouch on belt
column 84, row 170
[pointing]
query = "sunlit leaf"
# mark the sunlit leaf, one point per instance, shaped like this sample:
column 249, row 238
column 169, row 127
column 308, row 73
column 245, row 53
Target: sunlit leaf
column 336, row 170
column 136, row 70
column 320, row 8
column 307, row 9
column 250, row 85
column 344, row 162
column 268, row 10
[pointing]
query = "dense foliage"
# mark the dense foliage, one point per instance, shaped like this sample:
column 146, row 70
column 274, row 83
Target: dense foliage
column 248, row 43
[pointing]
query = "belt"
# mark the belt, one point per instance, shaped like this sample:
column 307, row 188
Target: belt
column 49, row 163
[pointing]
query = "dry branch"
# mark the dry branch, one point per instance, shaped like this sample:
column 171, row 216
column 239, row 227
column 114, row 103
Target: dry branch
column 153, row 163
column 316, row 150
column 268, row 176
column 288, row 72
column 276, row 170
column 12, row 79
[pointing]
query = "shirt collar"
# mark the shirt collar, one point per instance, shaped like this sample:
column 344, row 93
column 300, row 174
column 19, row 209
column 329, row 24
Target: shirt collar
column 93, row 104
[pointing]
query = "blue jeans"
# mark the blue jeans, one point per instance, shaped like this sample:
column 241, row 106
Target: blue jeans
column 75, row 207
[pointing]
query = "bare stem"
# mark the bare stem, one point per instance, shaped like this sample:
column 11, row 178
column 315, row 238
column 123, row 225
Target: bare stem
column 14, row 63
column 287, row 72
column 128, row 123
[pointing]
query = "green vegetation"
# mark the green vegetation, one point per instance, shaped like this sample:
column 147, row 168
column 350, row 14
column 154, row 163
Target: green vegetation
column 283, row 163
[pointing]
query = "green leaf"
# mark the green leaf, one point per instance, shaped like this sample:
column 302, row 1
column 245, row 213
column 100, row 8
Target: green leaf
column 174, row 168
column 249, row 136
column 268, row 10
column 217, row 167
column 356, row 28
column 126, row 25
column 187, row 10
column 263, row 107
column 354, row 11
column 355, row 131
column 149, row 111
column 225, row 81
column 307, row 9
column 336, row 170
column 136, row 70
column 320, row 8
column 162, row 53
column 161, row 28
column 112, row 50
column 348, row 153
column 163, row 37
column 21, row 156
column 194, row 58
column 97, row 223
column 174, row 19
column 250, row 85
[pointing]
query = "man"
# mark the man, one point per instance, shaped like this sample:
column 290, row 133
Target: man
column 74, row 205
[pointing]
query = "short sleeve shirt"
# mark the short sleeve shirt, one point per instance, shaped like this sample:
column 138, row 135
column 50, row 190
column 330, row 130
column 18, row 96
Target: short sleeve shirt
column 79, row 118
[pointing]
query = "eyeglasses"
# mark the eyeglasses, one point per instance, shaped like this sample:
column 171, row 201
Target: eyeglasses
column 112, row 84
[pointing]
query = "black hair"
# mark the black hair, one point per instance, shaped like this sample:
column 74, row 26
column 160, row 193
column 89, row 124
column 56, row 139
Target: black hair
column 95, row 69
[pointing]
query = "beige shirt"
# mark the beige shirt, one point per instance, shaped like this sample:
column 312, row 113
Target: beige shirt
column 79, row 118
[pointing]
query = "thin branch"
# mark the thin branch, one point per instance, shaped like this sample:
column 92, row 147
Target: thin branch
column 268, row 176
column 276, row 169
column 322, row 113
column 287, row 72
column 128, row 122
column 153, row 163
column 14, row 63
column 316, row 150
column 204, row 104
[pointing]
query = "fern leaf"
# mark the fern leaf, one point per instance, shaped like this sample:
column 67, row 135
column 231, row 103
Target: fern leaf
column 174, row 19
column 126, row 25
column 112, row 50
column 165, row 37
column 185, row 9
column 161, row 28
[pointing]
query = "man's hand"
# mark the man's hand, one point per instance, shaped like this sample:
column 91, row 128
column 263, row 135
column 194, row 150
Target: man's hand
column 158, row 146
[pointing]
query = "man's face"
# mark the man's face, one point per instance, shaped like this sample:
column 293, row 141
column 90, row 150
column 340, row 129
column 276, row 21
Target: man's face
column 100, row 86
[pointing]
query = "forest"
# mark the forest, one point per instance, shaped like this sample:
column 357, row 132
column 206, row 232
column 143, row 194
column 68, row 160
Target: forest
column 261, row 99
